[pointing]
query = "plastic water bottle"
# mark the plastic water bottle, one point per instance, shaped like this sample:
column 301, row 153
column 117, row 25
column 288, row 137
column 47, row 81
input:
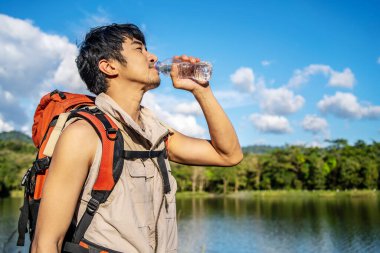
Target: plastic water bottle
column 200, row 71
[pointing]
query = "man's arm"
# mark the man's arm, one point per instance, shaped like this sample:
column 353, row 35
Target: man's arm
column 70, row 163
column 223, row 149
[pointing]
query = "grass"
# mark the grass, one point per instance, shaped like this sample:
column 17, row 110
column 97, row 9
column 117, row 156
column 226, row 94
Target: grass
column 17, row 194
column 187, row 194
column 285, row 193
column 268, row 194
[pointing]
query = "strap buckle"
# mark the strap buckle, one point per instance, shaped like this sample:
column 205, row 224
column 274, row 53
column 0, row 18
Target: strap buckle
column 92, row 110
column 92, row 206
column 60, row 93
column 112, row 131
column 25, row 178
column 40, row 165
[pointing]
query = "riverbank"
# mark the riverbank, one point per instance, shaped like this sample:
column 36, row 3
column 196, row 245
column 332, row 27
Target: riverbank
column 284, row 194
column 269, row 194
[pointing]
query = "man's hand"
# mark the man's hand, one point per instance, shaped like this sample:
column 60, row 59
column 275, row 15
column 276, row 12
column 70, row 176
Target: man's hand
column 186, row 84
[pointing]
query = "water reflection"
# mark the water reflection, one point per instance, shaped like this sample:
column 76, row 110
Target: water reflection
column 291, row 224
column 9, row 213
column 279, row 225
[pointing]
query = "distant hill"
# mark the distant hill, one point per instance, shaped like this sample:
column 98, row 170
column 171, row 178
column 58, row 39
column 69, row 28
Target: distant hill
column 15, row 135
column 259, row 149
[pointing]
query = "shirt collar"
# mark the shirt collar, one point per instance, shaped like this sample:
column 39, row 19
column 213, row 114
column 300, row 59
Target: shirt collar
column 154, row 129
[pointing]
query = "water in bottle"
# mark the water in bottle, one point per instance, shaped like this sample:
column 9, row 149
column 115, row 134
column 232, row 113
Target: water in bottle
column 200, row 71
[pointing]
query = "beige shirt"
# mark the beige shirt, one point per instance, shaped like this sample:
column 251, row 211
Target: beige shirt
column 137, row 216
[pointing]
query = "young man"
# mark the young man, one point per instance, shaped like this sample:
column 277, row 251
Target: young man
column 138, row 216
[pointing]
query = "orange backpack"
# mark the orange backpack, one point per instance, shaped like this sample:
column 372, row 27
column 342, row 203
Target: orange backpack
column 51, row 115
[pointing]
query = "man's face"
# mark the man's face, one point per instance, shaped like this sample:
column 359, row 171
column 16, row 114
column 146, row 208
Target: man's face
column 139, row 66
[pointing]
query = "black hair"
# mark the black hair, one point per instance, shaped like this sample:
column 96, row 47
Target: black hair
column 104, row 42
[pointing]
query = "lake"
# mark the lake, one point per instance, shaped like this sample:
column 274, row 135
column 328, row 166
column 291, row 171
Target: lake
column 263, row 224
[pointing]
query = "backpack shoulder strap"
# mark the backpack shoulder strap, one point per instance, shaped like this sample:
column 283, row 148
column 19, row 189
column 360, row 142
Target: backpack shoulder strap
column 111, row 164
column 50, row 145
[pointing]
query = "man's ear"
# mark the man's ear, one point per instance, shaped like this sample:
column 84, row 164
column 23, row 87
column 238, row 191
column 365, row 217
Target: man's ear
column 108, row 67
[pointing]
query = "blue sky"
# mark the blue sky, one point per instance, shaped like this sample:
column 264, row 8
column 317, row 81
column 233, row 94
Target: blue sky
column 286, row 72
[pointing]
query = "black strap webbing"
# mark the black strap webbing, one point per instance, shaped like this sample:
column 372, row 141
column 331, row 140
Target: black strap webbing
column 86, row 219
column 74, row 248
column 161, row 155
column 23, row 222
column 92, row 248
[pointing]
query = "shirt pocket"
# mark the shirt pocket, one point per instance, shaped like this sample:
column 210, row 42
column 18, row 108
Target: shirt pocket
column 137, row 181
column 140, row 176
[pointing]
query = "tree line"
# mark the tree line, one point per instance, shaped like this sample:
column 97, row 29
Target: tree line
column 338, row 166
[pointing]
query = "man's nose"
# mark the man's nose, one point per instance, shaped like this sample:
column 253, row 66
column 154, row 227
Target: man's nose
column 152, row 58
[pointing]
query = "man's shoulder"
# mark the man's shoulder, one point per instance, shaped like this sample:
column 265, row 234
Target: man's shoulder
column 79, row 141
column 81, row 127
column 80, row 132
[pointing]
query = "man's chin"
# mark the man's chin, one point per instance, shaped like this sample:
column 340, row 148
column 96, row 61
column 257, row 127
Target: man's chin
column 152, row 84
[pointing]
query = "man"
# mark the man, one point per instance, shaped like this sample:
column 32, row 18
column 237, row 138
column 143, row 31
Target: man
column 137, row 217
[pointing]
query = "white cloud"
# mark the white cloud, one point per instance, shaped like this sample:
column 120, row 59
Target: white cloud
column 344, row 79
column 173, row 104
column 345, row 105
column 182, row 122
column 10, row 109
column 302, row 76
column 314, row 124
column 233, row 98
column 32, row 59
column 32, row 62
column 261, row 141
column 188, row 108
column 185, row 124
column 310, row 144
column 315, row 144
column 97, row 19
column 275, row 101
column 244, row 79
column 143, row 28
column 378, row 60
column 8, row 97
column 280, row 101
column 4, row 126
column 270, row 123
column 266, row 63
column 93, row 19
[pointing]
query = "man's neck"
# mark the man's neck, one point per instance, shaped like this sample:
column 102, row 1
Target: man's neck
column 128, row 97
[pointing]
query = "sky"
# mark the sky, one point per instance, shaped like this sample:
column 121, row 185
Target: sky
column 286, row 72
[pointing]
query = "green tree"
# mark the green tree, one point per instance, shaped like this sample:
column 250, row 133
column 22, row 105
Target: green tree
column 318, row 169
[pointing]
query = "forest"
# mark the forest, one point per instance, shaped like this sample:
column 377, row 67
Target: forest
column 338, row 166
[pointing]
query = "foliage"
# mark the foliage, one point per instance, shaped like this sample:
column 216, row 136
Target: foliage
column 258, row 149
column 15, row 157
column 336, row 167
